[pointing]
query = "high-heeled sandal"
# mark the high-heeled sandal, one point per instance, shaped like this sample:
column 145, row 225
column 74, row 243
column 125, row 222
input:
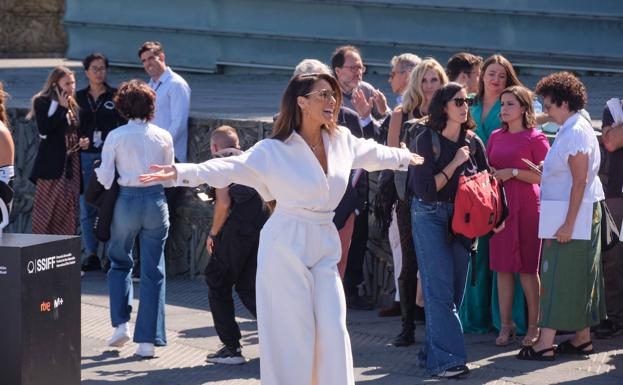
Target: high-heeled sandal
column 507, row 333
column 531, row 339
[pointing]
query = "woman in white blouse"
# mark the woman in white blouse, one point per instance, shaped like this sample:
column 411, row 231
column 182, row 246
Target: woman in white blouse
column 572, row 287
column 140, row 211
column 305, row 166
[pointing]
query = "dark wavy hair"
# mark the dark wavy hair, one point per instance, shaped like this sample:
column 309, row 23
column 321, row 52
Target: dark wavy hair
column 563, row 87
column 524, row 97
column 136, row 100
column 290, row 114
column 437, row 116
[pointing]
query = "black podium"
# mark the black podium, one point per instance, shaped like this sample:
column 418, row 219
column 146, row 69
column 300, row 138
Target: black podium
column 40, row 316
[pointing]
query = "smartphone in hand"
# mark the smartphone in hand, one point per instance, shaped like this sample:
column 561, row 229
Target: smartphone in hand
column 532, row 166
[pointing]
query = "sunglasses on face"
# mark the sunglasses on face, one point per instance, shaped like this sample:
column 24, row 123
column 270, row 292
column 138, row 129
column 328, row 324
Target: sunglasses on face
column 459, row 101
column 324, row 94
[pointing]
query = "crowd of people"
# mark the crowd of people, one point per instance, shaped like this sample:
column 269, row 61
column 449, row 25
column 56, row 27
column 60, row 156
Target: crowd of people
column 290, row 223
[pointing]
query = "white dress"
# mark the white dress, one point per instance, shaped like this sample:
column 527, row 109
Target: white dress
column 301, row 312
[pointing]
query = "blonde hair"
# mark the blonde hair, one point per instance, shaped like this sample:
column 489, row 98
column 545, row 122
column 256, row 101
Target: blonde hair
column 49, row 91
column 414, row 96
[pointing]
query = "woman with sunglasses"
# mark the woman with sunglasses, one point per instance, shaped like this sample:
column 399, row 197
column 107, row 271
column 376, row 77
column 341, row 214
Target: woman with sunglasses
column 426, row 78
column 98, row 116
column 443, row 257
column 479, row 313
column 56, row 172
column 304, row 166
column 516, row 248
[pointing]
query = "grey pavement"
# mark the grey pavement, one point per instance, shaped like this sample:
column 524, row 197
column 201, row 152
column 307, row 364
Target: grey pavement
column 239, row 95
column 191, row 335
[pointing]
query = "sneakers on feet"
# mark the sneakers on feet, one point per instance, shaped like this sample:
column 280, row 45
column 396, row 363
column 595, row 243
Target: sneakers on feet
column 120, row 336
column 145, row 350
column 454, row 371
column 227, row 355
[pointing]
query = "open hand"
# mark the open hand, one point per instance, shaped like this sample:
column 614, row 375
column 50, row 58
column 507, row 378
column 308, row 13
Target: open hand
column 380, row 101
column 163, row 173
column 361, row 105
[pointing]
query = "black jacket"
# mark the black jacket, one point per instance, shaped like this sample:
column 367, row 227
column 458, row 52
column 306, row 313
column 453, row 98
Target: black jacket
column 50, row 160
column 98, row 114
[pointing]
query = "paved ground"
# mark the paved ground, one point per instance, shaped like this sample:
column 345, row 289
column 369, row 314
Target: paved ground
column 191, row 334
column 241, row 95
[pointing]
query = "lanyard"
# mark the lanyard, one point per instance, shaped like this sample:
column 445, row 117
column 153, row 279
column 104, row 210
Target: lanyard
column 97, row 104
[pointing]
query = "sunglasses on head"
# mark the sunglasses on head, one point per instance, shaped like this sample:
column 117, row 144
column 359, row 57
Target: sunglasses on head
column 459, row 101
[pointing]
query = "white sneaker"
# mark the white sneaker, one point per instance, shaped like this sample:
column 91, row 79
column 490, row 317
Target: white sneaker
column 145, row 350
column 120, row 336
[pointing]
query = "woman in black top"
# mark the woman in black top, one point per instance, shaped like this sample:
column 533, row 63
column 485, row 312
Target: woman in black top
column 442, row 256
column 56, row 172
column 426, row 78
column 98, row 116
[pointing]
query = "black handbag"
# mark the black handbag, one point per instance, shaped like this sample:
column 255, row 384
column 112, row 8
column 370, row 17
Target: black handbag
column 104, row 201
column 609, row 228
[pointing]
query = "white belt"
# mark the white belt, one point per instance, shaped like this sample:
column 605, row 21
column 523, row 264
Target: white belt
column 317, row 217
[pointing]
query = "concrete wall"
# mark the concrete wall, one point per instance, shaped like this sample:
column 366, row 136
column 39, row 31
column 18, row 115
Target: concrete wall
column 209, row 34
column 32, row 28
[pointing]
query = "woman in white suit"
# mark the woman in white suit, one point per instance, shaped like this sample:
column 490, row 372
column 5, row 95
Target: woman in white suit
column 304, row 166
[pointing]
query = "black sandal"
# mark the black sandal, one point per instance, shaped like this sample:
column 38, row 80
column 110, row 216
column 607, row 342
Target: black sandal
column 568, row 348
column 529, row 354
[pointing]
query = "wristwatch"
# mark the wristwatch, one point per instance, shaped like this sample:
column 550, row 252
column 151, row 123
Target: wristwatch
column 515, row 172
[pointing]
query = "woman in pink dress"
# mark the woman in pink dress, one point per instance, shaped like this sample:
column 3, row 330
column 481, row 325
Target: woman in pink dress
column 516, row 248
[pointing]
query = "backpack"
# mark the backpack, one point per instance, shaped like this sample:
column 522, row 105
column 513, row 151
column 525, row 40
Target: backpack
column 480, row 202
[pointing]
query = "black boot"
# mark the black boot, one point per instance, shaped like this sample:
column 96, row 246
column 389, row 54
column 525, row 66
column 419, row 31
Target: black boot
column 406, row 336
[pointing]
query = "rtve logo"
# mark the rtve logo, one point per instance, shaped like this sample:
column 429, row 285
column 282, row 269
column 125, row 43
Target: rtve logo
column 47, row 305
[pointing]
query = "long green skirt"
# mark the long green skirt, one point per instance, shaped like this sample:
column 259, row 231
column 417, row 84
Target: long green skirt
column 572, row 284
column 480, row 309
column 475, row 310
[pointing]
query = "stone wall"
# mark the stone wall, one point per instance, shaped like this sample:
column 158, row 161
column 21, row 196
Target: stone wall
column 31, row 28
column 186, row 252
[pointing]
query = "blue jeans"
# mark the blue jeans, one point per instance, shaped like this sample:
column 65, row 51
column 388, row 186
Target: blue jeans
column 142, row 212
column 88, row 212
column 443, row 271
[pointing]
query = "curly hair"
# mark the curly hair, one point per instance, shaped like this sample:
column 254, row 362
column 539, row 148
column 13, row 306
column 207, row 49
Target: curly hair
column 563, row 87
column 437, row 116
column 136, row 100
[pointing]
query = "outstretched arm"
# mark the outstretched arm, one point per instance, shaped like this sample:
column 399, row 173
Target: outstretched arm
column 245, row 169
column 372, row 156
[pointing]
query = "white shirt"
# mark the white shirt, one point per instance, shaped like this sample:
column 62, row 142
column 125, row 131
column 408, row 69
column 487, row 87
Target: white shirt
column 172, row 107
column 575, row 135
column 289, row 172
column 132, row 148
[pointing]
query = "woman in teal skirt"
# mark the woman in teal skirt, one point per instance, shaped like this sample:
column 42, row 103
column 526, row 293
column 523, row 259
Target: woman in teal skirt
column 480, row 310
column 572, row 287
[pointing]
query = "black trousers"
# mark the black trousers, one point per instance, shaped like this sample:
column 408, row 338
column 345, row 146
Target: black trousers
column 233, row 265
column 353, row 275
column 407, row 280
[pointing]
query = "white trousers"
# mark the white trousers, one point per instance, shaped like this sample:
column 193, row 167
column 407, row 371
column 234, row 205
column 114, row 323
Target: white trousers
column 301, row 311
column 394, row 243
